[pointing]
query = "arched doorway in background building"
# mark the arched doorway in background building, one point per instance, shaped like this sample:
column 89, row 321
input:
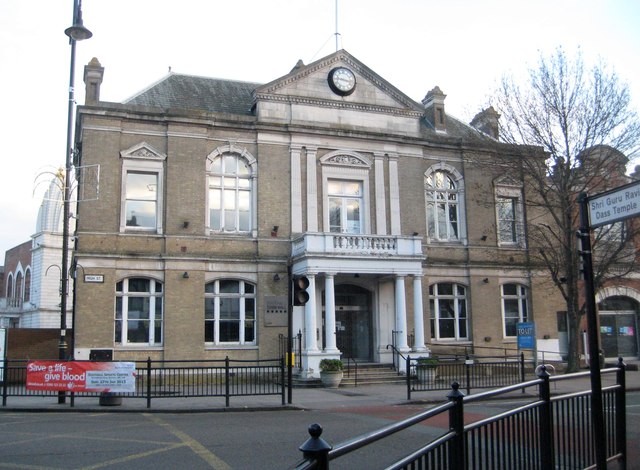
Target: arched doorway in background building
column 618, row 317
column 354, row 322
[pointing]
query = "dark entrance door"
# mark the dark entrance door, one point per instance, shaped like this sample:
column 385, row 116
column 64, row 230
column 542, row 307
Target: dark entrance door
column 618, row 335
column 354, row 329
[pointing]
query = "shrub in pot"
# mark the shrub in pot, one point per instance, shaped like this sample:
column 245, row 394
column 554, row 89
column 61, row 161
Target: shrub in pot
column 426, row 369
column 331, row 372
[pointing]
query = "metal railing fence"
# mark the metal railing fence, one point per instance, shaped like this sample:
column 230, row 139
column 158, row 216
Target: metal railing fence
column 547, row 432
column 174, row 379
column 469, row 372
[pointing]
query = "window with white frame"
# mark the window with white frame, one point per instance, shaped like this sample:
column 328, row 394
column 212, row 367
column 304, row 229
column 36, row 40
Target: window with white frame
column 230, row 193
column 509, row 212
column 230, row 312
column 141, row 206
column 448, row 307
column 142, row 189
column 345, row 206
column 139, row 312
column 444, row 202
column 514, row 307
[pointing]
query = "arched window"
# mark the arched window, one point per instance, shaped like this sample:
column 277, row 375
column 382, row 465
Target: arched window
column 19, row 287
column 230, row 312
column 448, row 306
column 443, row 196
column 27, row 286
column 230, row 193
column 139, row 312
column 514, row 308
column 10, row 286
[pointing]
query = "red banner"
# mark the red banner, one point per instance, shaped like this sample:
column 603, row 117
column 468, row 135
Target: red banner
column 75, row 376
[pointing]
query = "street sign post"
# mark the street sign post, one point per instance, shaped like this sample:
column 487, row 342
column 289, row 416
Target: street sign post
column 595, row 211
column 615, row 205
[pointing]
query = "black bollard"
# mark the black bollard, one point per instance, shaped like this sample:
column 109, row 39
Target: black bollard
column 315, row 448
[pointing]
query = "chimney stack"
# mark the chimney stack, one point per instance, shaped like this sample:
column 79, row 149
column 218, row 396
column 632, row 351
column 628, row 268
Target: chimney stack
column 434, row 109
column 93, row 73
column 487, row 121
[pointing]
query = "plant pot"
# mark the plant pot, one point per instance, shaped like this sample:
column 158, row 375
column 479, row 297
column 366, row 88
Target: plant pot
column 426, row 375
column 331, row 379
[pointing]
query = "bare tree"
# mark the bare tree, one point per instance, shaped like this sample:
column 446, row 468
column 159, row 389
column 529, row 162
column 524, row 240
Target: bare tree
column 584, row 120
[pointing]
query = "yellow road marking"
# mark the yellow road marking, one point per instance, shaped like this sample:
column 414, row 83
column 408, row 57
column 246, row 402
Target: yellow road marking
column 204, row 453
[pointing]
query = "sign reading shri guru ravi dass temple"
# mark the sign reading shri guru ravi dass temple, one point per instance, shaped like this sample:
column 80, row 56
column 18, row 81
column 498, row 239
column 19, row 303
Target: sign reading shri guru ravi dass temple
column 615, row 205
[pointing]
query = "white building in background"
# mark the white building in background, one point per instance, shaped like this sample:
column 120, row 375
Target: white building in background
column 31, row 290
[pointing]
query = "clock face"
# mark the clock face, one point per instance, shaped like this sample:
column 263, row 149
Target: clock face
column 342, row 81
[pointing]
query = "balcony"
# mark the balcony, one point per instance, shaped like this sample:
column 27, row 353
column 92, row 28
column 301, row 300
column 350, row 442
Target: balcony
column 355, row 245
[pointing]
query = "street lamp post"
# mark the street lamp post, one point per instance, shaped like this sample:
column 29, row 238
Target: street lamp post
column 77, row 32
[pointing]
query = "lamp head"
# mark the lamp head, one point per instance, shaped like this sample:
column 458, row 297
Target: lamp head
column 78, row 32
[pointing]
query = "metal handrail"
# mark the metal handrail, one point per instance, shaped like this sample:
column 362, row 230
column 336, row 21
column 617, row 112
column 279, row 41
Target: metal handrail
column 349, row 359
column 396, row 360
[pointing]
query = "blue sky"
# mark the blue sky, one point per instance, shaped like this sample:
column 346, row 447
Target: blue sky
column 463, row 46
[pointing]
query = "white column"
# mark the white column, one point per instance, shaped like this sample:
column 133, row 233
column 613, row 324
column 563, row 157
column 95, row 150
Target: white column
column 296, row 191
column 418, row 318
column 310, row 324
column 329, row 314
column 381, row 206
column 394, row 196
column 401, row 315
column 312, row 191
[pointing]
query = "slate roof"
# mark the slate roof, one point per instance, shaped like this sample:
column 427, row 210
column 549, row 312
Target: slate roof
column 191, row 92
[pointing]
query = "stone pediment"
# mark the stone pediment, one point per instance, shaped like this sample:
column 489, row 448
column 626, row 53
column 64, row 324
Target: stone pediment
column 506, row 180
column 143, row 151
column 305, row 95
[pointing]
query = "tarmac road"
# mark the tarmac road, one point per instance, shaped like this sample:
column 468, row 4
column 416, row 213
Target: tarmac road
column 220, row 440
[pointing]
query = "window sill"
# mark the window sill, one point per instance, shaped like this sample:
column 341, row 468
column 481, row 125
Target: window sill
column 218, row 347
column 137, row 347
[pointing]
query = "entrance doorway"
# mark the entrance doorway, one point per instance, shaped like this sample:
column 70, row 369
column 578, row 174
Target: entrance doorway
column 618, row 326
column 354, row 325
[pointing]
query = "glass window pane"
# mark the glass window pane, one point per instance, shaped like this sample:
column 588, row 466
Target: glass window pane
column 230, row 164
column 244, row 183
column 118, row 308
column 243, row 167
column 249, row 309
column 214, row 199
column 249, row 288
column 157, row 333
column 137, row 331
column 446, row 309
column 209, row 288
column 447, row 328
column 214, row 219
column 352, row 188
column 229, row 220
column 462, row 328
column 141, row 214
column 229, row 331
column 216, row 165
column 509, row 289
column 118, row 332
column 139, row 285
column 215, row 181
column 229, row 287
column 244, row 221
column 334, row 187
column 335, row 225
column 244, row 200
column 249, row 331
column 209, row 331
column 229, row 309
column 229, row 199
column 138, row 308
column 445, row 289
column 209, row 309
column 142, row 186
